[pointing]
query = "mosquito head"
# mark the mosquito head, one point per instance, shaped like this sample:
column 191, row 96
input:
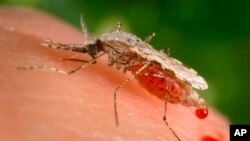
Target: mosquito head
column 94, row 47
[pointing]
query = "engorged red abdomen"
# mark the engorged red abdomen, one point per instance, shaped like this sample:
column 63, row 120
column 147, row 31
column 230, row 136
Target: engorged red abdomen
column 159, row 82
column 162, row 83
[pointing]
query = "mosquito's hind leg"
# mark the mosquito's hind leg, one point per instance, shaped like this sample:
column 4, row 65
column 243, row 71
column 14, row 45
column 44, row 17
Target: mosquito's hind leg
column 166, row 101
column 166, row 122
column 117, row 27
column 166, row 51
column 149, row 38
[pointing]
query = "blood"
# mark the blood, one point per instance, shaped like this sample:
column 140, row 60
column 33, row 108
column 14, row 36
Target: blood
column 208, row 138
column 201, row 113
column 159, row 82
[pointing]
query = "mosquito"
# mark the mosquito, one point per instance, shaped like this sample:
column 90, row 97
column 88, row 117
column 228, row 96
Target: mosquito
column 162, row 75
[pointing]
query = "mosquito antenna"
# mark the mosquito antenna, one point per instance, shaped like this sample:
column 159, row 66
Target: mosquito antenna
column 84, row 27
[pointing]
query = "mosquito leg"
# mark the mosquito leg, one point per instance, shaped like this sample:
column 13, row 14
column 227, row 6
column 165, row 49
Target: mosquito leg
column 71, row 57
column 45, row 67
column 121, row 86
column 76, row 60
column 149, row 38
column 166, row 50
column 166, row 101
column 154, row 75
column 82, row 66
column 117, row 27
column 165, row 119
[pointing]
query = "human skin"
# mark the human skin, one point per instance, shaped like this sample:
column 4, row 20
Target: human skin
column 43, row 105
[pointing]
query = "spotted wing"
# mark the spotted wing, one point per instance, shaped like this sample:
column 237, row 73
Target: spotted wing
column 183, row 73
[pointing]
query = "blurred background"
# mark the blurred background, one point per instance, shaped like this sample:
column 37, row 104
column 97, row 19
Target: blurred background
column 211, row 36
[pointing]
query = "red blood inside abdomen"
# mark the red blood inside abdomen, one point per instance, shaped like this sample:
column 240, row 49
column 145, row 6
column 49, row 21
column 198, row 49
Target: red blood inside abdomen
column 159, row 82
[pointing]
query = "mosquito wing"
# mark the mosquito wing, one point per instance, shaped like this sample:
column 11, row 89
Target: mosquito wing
column 182, row 72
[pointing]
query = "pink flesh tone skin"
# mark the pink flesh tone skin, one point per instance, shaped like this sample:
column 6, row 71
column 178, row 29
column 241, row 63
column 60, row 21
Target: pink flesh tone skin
column 44, row 105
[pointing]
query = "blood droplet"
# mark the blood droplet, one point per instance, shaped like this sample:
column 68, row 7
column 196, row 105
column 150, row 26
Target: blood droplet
column 208, row 138
column 201, row 113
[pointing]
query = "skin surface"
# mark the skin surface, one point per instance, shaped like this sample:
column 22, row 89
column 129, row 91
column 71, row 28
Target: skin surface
column 43, row 105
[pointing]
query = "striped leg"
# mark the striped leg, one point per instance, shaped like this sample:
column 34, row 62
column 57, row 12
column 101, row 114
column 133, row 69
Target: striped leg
column 45, row 67
column 117, row 27
column 121, row 86
column 149, row 38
